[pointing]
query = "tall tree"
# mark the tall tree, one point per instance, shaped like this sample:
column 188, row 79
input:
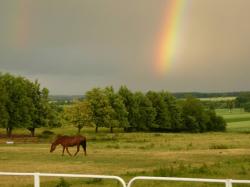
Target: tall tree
column 162, row 118
column 119, row 114
column 174, row 111
column 146, row 112
column 79, row 114
column 99, row 103
column 132, row 107
column 25, row 105
column 4, row 116
column 19, row 104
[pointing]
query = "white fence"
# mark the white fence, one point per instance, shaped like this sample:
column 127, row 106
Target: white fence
column 226, row 182
column 38, row 175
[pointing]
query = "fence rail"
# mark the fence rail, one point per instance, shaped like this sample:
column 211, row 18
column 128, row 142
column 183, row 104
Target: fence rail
column 38, row 175
column 227, row 182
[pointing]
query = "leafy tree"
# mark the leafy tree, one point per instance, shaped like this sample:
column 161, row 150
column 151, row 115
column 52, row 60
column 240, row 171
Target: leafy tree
column 193, row 115
column 197, row 119
column 242, row 99
column 79, row 114
column 119, row 115
column 215, row 123
column 173, row 110
column 4, row 116
column 131, row 105
column 23, row 105
column 246, row 106
column 230, row 105
column 162, row 118
column 19, row 105
column 99, row 103
column 146, row 113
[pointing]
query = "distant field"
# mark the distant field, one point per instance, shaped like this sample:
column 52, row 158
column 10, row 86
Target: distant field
column 218, row 99
column 237, row 120
column 208, row 155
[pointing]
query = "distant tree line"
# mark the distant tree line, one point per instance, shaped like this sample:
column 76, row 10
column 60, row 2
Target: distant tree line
column 137, row 111
column 209, row 95
column 23, row 104
column 243, row 101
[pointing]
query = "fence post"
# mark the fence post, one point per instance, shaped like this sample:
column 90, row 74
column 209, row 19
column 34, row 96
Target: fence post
column 229, row 183
column 36, row 180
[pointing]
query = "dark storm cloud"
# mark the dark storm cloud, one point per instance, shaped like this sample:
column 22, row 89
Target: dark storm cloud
column 72, row 46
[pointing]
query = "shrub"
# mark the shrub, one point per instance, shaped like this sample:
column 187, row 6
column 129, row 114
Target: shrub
column 63, row 183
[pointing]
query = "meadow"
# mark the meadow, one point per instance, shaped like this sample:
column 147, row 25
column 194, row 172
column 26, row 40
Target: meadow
column 206, row 155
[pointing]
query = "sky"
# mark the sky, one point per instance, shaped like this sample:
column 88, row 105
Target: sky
column 73, row 46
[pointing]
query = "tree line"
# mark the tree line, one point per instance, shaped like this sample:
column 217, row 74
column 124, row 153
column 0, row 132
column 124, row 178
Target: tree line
column 137, row 111
column 24, row 104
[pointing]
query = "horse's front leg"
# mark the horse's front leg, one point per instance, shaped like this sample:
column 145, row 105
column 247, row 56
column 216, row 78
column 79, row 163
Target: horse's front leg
column 63, row 151
column 68, row 151
column 77, row 150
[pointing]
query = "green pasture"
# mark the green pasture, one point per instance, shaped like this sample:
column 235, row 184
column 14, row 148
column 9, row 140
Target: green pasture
column 202, row 155
column 237, row 119
column 208, row 155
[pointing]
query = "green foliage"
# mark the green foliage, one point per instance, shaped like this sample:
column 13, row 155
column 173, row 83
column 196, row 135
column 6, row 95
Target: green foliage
column 243, row 100
column 162, row 118
column 63, row 183
column 131, row 107
column 23, row 104
column 246, row 106
column 79, row 114
column 145, row 113
column 197, row 119
column 100, row 106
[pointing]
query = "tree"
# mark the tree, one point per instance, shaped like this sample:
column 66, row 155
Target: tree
column 79, row 114
column 18, row 105
column 246, row 106
column 242, row 99
column 173, row 110
column 162, row 118
column 4, row 116
column 132, row 107
column 197, row 119
column 193, row 115
column 23, row 105
column 119, row 115
column 146, row 112
column 230, row 105
column 101, row 109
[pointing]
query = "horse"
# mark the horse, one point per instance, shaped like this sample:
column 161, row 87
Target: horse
column 69, row 141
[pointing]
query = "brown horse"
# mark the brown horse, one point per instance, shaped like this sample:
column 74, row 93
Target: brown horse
column 69, row 141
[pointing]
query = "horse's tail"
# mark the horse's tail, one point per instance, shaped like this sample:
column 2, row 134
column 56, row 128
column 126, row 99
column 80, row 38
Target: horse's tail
column 84, row 145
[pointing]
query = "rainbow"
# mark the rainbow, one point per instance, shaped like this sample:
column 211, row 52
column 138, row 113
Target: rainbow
column 19, row 24
column 168, row 40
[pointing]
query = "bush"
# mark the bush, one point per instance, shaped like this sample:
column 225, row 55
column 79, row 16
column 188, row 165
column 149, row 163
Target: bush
column 63, row 183
column 46, row 134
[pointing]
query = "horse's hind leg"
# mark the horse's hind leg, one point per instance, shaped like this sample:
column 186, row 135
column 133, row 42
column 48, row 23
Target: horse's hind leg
column 77, row 150
column 63, row 151
column 84, row 146
column 68, row 151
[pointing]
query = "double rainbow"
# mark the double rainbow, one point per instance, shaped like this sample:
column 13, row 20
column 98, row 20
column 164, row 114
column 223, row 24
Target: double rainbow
column 168, row 40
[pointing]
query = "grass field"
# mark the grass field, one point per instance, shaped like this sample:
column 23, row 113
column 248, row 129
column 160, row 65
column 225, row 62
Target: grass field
column 237, row 120
column 207, row 155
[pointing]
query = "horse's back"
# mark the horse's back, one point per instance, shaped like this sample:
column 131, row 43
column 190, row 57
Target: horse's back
column 71, row 140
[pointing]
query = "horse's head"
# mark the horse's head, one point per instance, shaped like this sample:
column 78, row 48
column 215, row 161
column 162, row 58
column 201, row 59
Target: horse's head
column 53, row 147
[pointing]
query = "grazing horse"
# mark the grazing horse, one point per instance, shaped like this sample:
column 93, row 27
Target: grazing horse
column 69, row 141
